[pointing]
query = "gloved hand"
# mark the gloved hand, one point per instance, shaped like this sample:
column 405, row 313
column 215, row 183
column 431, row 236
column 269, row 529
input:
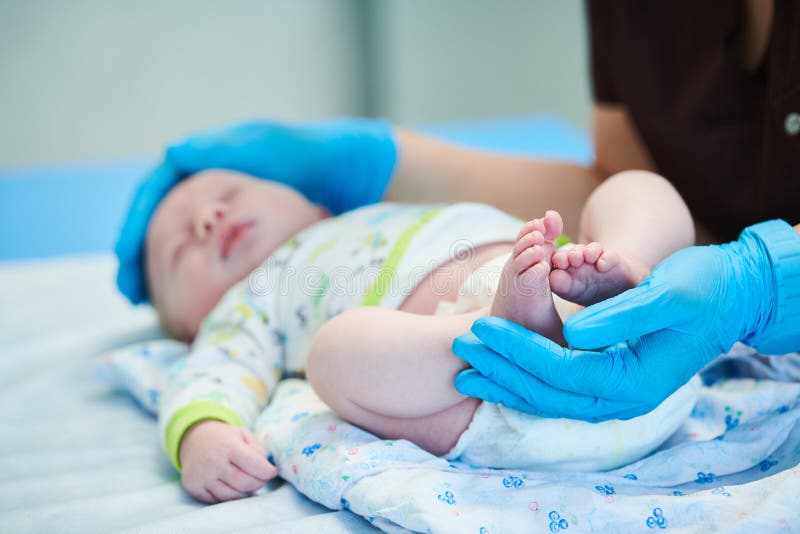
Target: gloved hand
column 526, row 371
column 692, row 307
column 341, row 164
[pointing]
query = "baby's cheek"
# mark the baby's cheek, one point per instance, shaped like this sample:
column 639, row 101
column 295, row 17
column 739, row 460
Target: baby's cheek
column 197, row 289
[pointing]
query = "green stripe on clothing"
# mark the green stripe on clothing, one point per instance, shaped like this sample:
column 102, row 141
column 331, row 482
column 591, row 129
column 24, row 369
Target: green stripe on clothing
column 186, row 416
column 562, row 240
column 386, row 275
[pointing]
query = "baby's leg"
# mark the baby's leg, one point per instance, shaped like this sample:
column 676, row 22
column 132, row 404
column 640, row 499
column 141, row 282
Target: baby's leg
column 638, row 219
column 392, row 372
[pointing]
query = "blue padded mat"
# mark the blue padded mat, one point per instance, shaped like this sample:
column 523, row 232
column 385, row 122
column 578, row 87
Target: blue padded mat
column 71, row 209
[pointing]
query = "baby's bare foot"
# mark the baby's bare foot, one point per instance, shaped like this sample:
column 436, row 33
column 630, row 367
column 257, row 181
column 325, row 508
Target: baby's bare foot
column 586, row 274
column 523, row 295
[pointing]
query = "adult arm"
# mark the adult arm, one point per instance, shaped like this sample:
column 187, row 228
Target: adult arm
column 431, row 170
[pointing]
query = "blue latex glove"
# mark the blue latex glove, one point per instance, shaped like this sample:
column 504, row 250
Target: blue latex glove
column 340, row 164
column 692, row 307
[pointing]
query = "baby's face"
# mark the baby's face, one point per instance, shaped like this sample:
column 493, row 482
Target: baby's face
column 210, row 232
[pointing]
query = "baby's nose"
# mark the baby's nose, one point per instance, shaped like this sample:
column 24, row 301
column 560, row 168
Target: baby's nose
column 207, row 219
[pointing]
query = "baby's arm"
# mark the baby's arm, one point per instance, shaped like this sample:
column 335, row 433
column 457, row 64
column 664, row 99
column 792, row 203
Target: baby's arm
column 215, row 394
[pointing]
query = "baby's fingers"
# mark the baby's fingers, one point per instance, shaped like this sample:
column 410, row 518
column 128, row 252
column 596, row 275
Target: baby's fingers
column 203, row 495
column 241, row 481
column 252, row 441
column 253, row 462
column 222, row 491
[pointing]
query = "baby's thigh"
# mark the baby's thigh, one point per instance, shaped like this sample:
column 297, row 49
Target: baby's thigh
column 436, row 433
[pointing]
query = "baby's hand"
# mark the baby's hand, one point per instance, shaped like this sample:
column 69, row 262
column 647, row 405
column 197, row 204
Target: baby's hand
column 222, row 462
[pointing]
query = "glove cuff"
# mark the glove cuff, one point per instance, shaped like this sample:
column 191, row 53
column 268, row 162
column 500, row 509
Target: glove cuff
column 781, row 332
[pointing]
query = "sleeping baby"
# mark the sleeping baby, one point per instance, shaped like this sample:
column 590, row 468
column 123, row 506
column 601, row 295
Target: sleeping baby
column 367, row 304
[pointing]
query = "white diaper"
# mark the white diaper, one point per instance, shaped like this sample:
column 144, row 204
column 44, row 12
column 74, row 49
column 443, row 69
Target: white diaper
column 505, row 438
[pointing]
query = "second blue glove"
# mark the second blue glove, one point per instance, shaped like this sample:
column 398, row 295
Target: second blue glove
column 341, row 164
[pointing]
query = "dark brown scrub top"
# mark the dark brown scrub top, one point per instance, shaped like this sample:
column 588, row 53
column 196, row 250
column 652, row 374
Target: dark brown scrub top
column 727, row 138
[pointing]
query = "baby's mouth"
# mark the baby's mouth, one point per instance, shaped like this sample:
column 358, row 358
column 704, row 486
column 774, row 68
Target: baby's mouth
column 232, row 236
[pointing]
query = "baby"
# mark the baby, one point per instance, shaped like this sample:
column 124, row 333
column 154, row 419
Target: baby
column 351, row 299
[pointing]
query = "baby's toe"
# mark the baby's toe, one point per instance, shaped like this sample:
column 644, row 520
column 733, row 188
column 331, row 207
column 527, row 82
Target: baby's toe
column 528, row 258
column 560, row 259
column 561, row 281
column 528, row 240
column 531, row 226
column 575, row 256
column 537, row 272
column 553, row 225
column 607, row 261
column 592, row 252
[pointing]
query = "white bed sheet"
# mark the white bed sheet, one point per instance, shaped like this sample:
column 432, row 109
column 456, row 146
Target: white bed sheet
column 76, row 458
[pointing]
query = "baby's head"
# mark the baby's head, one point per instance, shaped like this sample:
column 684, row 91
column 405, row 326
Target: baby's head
column 210, row 232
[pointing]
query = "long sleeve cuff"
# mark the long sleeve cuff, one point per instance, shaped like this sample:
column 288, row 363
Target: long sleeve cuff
column 186, row 416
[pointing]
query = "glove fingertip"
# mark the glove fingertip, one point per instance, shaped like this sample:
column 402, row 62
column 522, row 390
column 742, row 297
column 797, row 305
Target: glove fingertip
column 594, row 328
column 578, row 334
column 482, row 325
column 465, row 346
column 465, row 382
column 496, row 331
